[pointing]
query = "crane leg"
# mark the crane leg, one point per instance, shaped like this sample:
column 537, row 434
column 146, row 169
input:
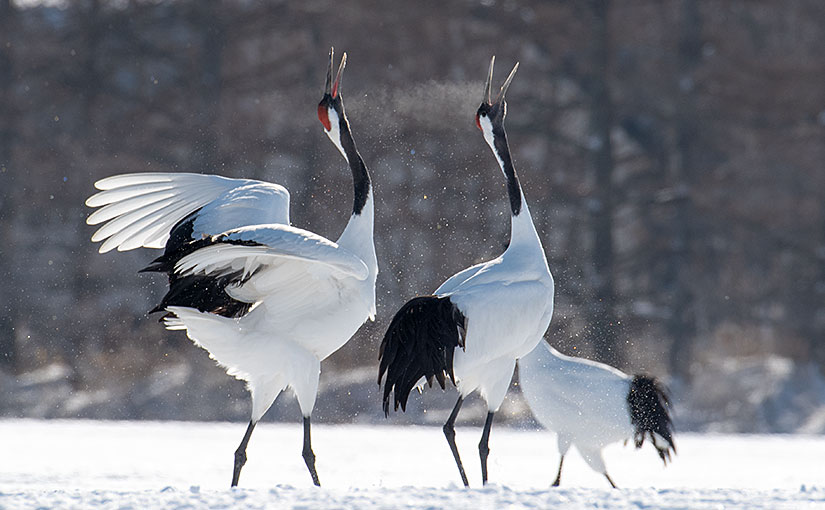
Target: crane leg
column 484, row 446
column 240, row 454
column 449, row 433
column 308, row 454
column 558, row 476
column 609, row 480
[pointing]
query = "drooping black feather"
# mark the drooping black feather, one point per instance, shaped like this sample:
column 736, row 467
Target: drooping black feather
column 206, row 293
column 420, row 342
column 649, row 406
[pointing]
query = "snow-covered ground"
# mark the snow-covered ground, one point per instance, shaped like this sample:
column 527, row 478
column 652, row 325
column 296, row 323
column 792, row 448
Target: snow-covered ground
column 137, row 465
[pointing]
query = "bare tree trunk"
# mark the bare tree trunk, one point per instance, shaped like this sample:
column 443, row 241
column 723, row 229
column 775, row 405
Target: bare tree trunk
column 92, row 34
column 817, row 337
column 8, row 351
column 603, row 311
column 7, row 114
column 90, row 85
column 209, row 19
column 681, row 324
column 816, row 332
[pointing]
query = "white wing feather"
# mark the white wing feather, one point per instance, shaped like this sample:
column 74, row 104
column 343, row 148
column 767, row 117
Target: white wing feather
column 492, row 334
column 459, row 278
column 273, row 243
column 139, row 210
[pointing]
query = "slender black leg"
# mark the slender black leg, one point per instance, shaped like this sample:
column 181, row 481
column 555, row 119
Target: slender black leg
column 558, row 476
column 240, row 454
column 484, row 446
column 449, row 432
column 609, row 480
column 309, row 456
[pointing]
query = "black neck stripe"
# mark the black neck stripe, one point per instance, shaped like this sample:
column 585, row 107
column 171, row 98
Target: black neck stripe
column 503, row 151
column 360, row 175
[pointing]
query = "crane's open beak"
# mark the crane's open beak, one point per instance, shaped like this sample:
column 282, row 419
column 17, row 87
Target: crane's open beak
column 486, row 98
column 507, row 84
column 332, row 86
column 488, row 86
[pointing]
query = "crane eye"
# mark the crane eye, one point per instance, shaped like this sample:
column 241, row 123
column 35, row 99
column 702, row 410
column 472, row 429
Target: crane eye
column 323, row 116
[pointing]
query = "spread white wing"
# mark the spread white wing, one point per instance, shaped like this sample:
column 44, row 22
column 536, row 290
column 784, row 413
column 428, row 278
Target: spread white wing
column 140, row 210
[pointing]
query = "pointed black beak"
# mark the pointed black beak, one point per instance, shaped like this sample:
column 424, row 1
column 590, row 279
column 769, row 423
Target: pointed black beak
column 507, row 84
column 488, row 86
column 328, row 87
column 331, row 87
column 486, row 98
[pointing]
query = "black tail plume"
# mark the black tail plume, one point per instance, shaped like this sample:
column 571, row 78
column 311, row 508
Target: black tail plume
column 420, row 342
column 649, row 406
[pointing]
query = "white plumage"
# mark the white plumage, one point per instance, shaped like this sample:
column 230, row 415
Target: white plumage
column 274, row 246
column 508, row 303
column 267, row 300
column 590, row 405
column 140, row 210
column 495, row 312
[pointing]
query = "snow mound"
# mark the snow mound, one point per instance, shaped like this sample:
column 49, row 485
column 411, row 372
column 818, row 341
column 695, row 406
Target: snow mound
column 754, row 394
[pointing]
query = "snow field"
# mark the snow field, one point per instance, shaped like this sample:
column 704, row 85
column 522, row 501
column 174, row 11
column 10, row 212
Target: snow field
column 136, row 465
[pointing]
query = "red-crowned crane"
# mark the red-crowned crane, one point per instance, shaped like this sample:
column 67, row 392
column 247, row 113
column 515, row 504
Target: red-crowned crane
column 267, row 300
column 590, row 405
column 481, row 320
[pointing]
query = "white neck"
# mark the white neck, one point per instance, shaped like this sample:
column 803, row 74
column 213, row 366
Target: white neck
column 487, row 130
column 357, row 236
column 522, row 231
column 334, row 132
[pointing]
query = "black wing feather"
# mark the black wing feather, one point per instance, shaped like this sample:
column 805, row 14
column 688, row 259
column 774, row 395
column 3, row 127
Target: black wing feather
column 180, row 244
column 420, row 342
column 206, row 293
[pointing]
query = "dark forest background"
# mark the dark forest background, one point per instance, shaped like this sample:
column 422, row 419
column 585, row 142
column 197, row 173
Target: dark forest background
column 671, row 152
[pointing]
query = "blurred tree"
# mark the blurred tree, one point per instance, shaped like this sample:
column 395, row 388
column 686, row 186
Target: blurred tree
column 817, row 339
column 672, row 151
column 91, row 82
column 208, row 18
column 681, row 320
column 604, row 330
column 8, row 117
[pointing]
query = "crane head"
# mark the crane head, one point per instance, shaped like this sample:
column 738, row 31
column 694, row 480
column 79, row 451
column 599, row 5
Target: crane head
column 331, row 106
column 491, row 113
